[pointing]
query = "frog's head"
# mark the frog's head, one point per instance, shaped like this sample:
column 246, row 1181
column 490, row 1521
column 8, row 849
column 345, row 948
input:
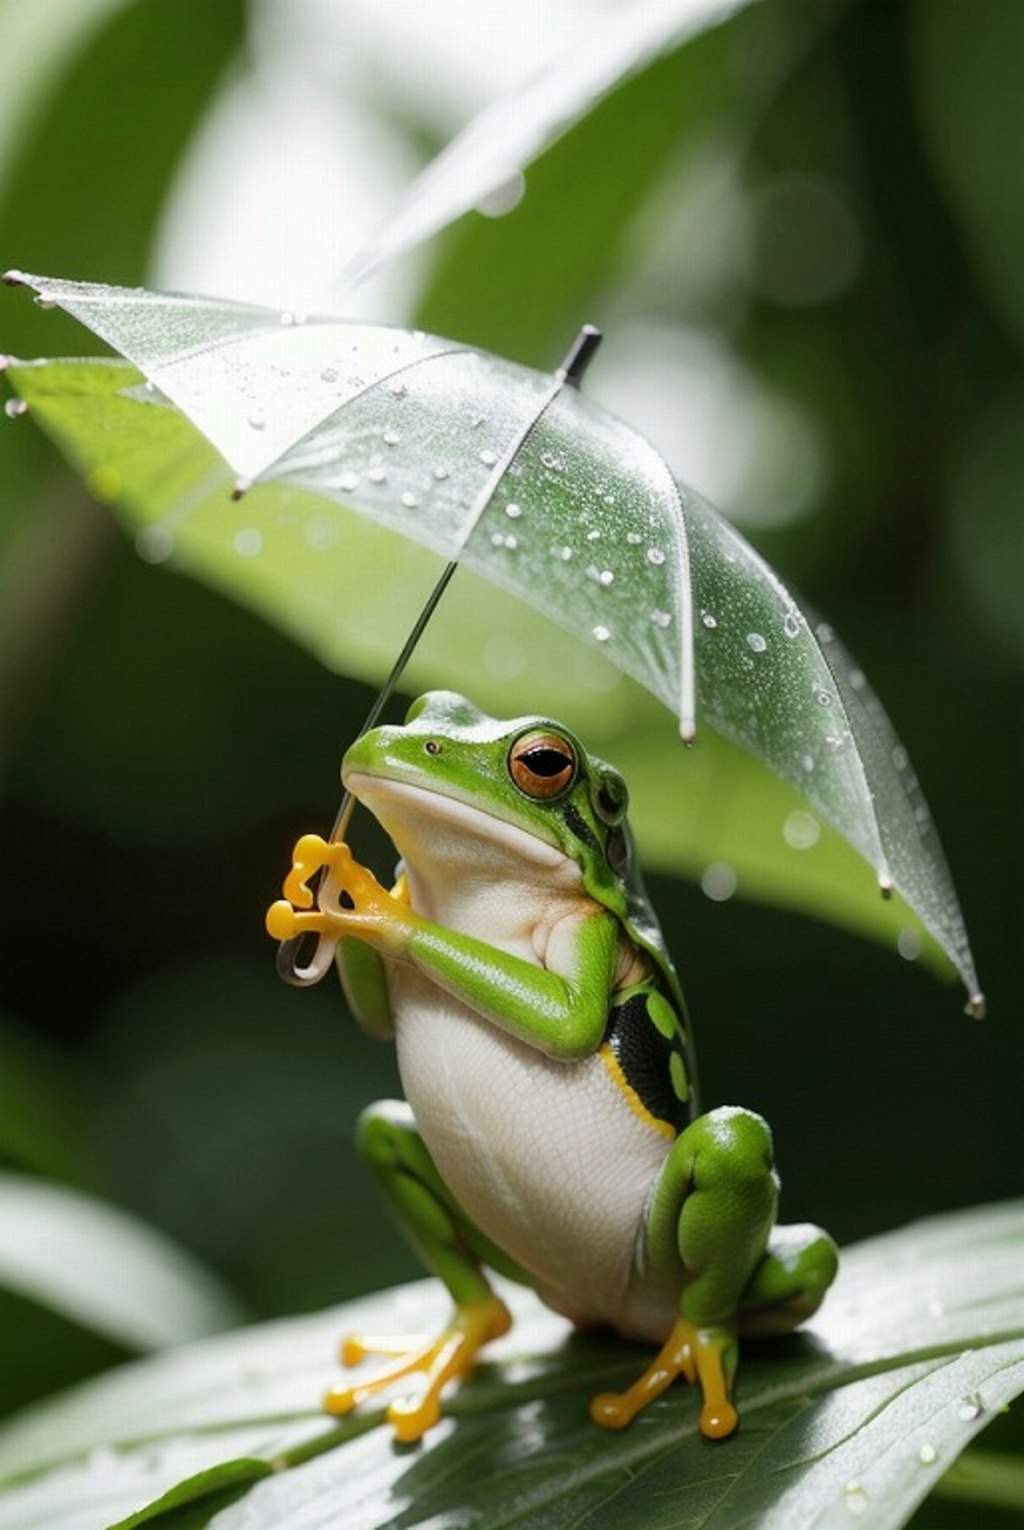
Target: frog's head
column 527, row 786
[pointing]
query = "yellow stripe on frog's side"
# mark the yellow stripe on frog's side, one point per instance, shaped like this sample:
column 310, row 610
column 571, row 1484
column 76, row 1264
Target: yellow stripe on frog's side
column 632, row 1099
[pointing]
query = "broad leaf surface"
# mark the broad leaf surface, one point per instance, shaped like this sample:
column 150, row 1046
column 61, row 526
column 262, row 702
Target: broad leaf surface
column 499, row 143
column 918, row 1345
column 527, row 482
column 103, row 1269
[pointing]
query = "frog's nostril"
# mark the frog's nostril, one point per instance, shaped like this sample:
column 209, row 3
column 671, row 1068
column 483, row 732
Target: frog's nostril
column 433, row 746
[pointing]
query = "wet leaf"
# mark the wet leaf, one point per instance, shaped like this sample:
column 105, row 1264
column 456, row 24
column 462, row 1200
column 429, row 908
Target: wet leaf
column 103, row 1269
column 920, row 1343
column 499, row 143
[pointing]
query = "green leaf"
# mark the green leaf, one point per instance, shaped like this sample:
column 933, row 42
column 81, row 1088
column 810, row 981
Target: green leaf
column 103, row 1269
column 500, row 142
column 920, row 1343
column 452, row 447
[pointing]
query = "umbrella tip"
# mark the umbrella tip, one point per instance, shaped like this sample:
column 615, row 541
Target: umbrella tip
column 688, row 731
column 579, row 355
column 241, row 488
column 976, row 1006
column 15, row 279
column 885, row 886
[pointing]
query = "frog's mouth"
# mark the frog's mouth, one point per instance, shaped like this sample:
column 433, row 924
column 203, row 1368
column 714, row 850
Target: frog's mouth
column 428, row 826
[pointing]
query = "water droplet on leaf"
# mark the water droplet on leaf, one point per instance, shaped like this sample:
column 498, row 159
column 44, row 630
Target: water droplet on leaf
column 908, row 944
column 927, row 1455
column 602, row 634
column 856, row 1498
column 655, row 556
column 719, row 882
column 756, row 642
column 513, row 511
column 709, row 621
column 489, row 459
column 248, row 541
column 801, row 830
column 661, row 618
column 377, row 475
column 409, row 500
column 391, row 438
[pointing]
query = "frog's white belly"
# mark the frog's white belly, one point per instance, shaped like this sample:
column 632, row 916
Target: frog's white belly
column 545, row 1157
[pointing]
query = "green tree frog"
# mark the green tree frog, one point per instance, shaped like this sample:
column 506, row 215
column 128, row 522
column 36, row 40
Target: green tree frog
column 550, row 1132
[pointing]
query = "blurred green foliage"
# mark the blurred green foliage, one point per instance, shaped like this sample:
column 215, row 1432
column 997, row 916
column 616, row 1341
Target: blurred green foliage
column 834, row 207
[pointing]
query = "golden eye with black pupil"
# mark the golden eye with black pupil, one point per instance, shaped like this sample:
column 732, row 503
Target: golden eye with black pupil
column 542, row 765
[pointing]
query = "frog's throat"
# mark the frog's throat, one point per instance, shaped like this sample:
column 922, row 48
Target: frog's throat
column 400, row 807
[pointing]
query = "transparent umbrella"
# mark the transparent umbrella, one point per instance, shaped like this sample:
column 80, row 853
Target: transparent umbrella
column 518, row 475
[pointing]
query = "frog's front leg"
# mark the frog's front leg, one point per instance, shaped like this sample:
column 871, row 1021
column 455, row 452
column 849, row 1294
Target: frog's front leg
column 350, row 901
column 452, row 1248
column 708, row 1233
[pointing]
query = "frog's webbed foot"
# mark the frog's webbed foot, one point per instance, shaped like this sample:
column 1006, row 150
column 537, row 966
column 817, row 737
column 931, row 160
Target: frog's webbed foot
column 449, row 1357
column 349, row 899
column 706, row 1355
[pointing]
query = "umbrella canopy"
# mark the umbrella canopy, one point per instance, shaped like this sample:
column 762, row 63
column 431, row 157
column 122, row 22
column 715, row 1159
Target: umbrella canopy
column 521, row 477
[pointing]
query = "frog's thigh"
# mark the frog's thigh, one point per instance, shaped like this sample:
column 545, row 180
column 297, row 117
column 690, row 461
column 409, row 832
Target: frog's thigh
column 448, row 1243
column 790, row 1281
column 712, row 1208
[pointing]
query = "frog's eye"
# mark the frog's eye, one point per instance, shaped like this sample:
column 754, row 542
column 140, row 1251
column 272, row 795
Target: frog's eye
column 542, row 764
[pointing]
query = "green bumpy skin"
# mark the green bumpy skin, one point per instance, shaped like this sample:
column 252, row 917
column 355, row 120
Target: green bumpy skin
column 552, row 1132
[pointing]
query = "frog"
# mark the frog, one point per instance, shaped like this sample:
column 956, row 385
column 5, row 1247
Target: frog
column 551, row 1131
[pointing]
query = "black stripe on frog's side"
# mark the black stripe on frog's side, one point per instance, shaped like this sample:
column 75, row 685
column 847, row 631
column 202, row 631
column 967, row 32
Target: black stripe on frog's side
column 580, row 827
column 645, row 1056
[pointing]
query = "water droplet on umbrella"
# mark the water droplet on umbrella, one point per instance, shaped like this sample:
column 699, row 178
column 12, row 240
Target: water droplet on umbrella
column 602, row 634
column 593, row 536
column 807, row 761
column 409, row 500
column 329, row 375
column 856, row 1499
column 513, row 511
column 756, row 642
column 634, row 538
column 441, row 473
column 822, row 696
column 553, row 461
column 927, row 1455
column 489, row 459
column 256, row 422
column 348, row 481
column 836, row 741
column 565, row 553
column 391, row 438
column 791, row 625
column 661, row 618
column 709, row 621
column 606, row 577
column 655, row 556
column 377, row 475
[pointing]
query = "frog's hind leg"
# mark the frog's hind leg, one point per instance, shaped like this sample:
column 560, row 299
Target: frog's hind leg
column 452, row 1248
column 709, row 1220
column 790, row 1281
